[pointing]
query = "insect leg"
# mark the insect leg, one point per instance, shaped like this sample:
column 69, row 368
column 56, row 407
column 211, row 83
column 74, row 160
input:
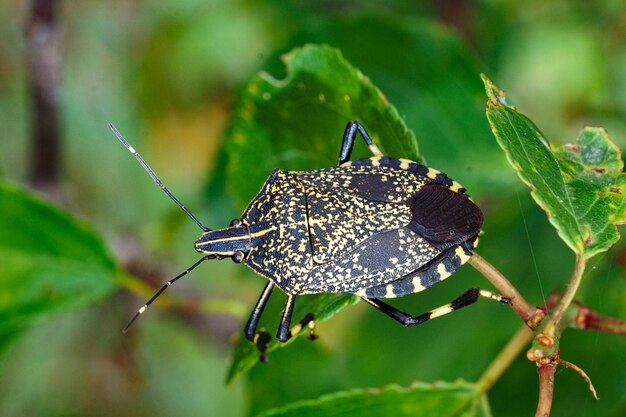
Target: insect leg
column 262, row 338
column 467, row 298
column 307, row 321
column 348, row 141
column 284, row 332
column 283, row 329
column 253, row 321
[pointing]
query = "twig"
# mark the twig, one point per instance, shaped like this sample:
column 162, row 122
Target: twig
column 504, row 359
column 42, row 66
column 550, row 328
column 527, row 312
column 546, row 389
column 590, row 320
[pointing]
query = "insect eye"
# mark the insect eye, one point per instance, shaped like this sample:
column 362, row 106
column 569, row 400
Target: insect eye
column 238, row 257
column 235, row 223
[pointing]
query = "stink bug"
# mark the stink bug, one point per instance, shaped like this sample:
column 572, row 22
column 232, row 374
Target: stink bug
column 378, row 227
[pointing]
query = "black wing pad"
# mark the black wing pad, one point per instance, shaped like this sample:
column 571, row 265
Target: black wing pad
column 443, row 217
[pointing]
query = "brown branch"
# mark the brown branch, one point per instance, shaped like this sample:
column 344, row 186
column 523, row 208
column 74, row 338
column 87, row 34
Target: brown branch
column 553, row 327
column 546, row 389
column 530, row 314
column 588, row 319
column 42, row 66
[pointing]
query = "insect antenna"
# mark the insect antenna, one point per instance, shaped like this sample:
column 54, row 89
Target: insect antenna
column 164, row 287
column 155, row 178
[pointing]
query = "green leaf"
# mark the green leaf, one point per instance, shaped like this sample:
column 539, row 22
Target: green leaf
column 430, row 75
column 48, row 261
column 323, row 307
column 581, row 187
column 420, row 399
column 297, row 123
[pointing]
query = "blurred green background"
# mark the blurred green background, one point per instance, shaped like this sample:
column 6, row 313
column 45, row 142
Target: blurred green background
column 168, row 74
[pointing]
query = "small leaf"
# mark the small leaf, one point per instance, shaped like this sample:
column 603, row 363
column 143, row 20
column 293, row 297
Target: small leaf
column 48, row 261
column 420, row 399
column 297, row 123
column 581, row 187
column 323, row 307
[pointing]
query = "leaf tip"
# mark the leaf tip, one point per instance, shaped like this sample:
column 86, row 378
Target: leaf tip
column 495, row 95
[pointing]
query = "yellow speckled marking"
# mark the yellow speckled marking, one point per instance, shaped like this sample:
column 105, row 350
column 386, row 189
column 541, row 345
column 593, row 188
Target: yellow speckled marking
column 375, row 161
column 389, row 291
column 441, row 270
column 432, row 173
column 404, row 164
column 461, row 254
column 455, row 186
column 362, row 292
column 417, row 283
column 346, row 164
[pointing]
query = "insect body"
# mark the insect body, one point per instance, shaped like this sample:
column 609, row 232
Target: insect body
column 379, row 228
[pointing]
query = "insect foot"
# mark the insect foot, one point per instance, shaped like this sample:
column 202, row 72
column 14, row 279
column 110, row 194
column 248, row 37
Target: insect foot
column 262, row 341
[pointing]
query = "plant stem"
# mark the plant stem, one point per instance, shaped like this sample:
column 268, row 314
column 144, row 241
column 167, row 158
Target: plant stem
column 523, row 309
column 504, row 359
column 42, row 70
column 570, row 292
column 590, row 320
column 546, row 389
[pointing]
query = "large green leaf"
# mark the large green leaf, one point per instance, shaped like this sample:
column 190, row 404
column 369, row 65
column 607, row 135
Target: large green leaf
column 297, row 123
column 48, row 260
column 581, row 187
column 420, row 399
column 432, row 77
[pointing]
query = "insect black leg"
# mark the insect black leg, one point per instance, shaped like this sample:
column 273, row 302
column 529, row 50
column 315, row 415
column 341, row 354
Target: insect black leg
column 262, row 338
column 253, row 321
column 284, row 332
column 348, row 141
column 307, row 321
column 467, row 298
column 283, row 329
